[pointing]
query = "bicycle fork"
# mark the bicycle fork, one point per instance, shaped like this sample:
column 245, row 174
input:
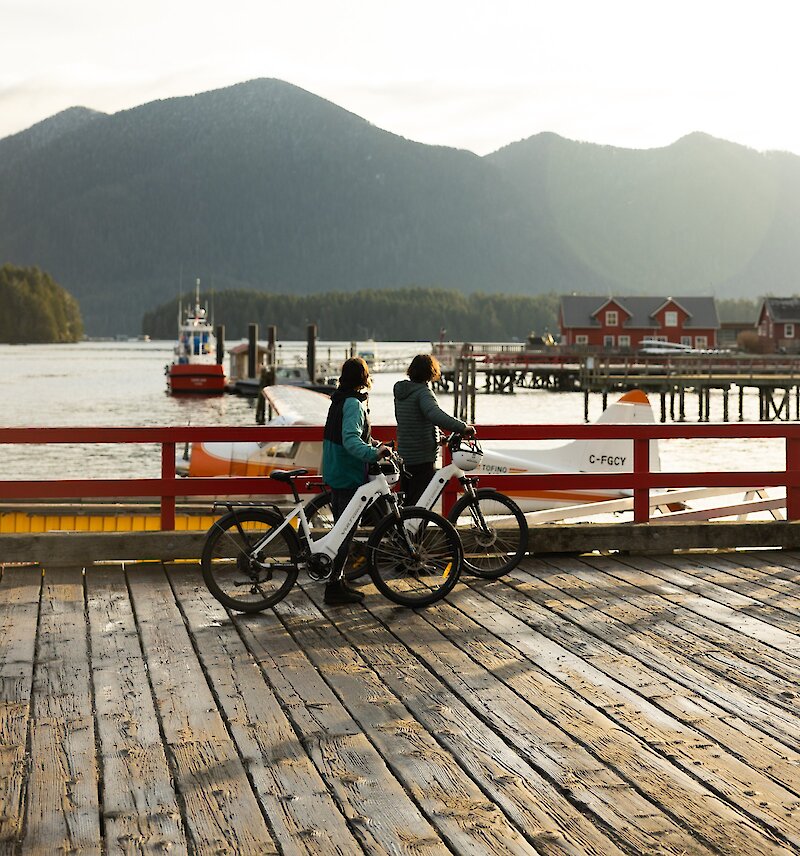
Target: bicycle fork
column 406, row 541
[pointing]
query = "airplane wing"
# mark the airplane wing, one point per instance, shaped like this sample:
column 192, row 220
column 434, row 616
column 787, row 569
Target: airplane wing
column 296, row 405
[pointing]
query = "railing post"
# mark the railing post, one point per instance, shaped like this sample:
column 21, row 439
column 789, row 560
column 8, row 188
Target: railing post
column 792, row 477
column 641, row 466
column 167, row 472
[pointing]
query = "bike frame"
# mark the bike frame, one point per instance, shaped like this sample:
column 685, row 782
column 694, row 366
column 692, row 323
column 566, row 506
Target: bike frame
column 330, row 543
column 437, row 484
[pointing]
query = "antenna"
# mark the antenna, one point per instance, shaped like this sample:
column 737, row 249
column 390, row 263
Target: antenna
column 180, row 293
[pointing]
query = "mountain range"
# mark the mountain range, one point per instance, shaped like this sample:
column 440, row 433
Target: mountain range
column 265, row 186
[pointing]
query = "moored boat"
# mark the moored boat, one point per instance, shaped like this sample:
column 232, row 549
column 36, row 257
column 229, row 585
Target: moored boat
column 196, row 367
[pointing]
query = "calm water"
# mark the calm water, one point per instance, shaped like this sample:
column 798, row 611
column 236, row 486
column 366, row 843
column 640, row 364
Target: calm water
column 95, row 384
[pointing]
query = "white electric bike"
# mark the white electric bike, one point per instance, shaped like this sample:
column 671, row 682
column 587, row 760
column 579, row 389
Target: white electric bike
column 492, row 527
column 252, row 554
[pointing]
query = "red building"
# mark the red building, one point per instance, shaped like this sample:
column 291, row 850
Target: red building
column 779, row 321
column 622, row 322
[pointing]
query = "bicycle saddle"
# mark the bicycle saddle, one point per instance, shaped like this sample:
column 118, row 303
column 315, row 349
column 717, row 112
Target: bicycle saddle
column 286, row 475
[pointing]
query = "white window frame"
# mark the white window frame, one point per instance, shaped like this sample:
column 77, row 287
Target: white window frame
column 701, row 341
column 612, row 318
column 608, row 341
column 581, row 339
column 624, row 341
column 788, row 330
column 671, row 318
column 686, row 340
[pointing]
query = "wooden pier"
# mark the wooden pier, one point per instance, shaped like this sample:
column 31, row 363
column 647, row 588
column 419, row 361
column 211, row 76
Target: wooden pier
column 776, row 378
column 583, row 705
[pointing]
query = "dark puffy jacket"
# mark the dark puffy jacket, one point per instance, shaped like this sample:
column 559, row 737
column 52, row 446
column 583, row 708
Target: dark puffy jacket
column 418, row 419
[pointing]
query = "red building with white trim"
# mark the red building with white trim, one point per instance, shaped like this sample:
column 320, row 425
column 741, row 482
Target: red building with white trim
column 620, row 323
column 779, row 321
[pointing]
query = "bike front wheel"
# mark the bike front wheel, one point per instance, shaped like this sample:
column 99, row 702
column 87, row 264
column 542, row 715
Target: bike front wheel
column 246, row 569
column 493, row 532
column 415, row 560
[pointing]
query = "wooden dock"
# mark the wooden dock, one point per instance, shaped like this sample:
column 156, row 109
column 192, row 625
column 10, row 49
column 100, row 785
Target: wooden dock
column 592, row 705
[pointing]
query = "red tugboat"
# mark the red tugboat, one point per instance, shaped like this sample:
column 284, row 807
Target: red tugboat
column 195, row 368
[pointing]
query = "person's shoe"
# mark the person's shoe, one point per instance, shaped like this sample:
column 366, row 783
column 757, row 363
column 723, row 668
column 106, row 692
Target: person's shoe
column 337, row 592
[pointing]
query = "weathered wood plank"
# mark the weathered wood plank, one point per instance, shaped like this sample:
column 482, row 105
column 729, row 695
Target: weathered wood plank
column 720, row 569
column 546, row 727
column 455, row 806
column 552, row 824
column 222, row 814
column 771, row 672
column 303, row 815
column 140, row 808
column 19, row 607
column 776, row 569
column 599, row 707
column 717, row 603
column 84, row 548
column 681, row 644
column 776, row 564
column 88, row 547
column 63, row 812
column 609, row 643
column 382, row 813
column 716, row 587
column 597, row 673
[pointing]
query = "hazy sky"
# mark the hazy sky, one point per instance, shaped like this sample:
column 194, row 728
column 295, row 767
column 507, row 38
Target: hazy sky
column 474, row 75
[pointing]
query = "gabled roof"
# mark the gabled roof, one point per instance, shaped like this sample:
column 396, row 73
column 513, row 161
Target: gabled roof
column 615, row 302
column 782, row 309
column 672, row 301
column 579, row 311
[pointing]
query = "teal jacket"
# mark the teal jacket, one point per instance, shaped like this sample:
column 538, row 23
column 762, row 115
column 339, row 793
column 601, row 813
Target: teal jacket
column 418, row 418
column 347, row 445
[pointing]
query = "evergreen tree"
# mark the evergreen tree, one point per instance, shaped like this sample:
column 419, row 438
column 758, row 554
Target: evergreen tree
column 406, row 314
column 35, row 309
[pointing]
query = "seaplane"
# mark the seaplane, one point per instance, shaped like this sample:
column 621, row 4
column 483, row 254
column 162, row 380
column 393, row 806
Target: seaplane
column 292, row 405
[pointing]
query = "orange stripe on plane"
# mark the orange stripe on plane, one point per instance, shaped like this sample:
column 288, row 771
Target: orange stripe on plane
column 565, row 496
column 635, row 396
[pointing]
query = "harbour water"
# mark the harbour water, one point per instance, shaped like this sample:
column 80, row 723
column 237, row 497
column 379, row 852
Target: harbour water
column 94, row 384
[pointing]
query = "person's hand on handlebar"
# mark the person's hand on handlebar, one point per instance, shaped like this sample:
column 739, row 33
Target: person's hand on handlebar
column 469, row 431
column 383, row 451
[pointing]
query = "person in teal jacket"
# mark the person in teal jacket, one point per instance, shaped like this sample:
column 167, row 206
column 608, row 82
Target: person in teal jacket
column 347, row 451
column 419, row 419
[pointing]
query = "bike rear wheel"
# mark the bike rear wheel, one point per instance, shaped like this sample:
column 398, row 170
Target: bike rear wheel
column 420, row 569
column 242, row 577
column 493, row 532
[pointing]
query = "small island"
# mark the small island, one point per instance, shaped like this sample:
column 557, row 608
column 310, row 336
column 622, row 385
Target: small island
column 36, row 309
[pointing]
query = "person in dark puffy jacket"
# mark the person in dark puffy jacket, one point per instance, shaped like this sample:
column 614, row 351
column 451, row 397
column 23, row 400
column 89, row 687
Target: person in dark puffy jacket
column 419, row 419
column 347, row 450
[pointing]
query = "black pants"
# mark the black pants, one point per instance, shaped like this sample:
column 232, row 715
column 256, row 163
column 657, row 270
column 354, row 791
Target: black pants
column 339, row 501
column 418, row 478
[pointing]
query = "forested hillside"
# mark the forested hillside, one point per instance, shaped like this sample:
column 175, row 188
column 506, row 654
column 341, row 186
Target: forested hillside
column 35, row 309
column 410, row 314
column 265, row 186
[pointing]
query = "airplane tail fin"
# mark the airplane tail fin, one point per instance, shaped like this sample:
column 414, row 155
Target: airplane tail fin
column 613, row 455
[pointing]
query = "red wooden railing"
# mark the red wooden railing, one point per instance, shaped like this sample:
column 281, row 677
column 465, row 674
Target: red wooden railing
column 641, row 480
